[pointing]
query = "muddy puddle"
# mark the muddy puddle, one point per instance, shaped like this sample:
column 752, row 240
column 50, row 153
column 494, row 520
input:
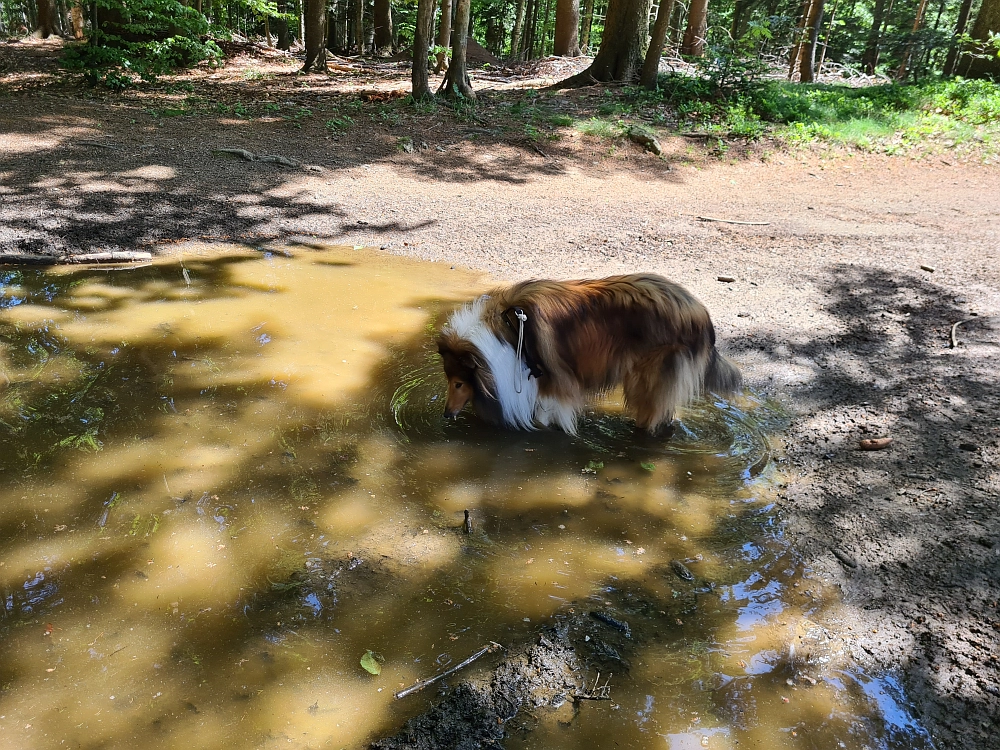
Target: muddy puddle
column 224, row 478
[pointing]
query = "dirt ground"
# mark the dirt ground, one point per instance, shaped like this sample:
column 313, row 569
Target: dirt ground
column 849, row 278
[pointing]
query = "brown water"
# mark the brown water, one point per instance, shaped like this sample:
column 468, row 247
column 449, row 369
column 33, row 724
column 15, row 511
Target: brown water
column 224, row 478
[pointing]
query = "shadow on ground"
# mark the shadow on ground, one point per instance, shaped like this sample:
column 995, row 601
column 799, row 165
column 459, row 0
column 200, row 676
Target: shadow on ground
column 916, row 527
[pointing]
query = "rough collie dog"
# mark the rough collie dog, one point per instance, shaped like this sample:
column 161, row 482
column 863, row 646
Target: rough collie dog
column 529, row 354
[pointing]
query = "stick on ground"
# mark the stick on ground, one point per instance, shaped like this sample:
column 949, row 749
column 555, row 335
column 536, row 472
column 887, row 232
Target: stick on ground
column 954, row 332
column 416, row 688
column 733, row 221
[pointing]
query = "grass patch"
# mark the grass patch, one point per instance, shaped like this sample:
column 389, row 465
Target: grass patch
column 887, row 118
column 928, row 115
column 560, row 121
column 255, row 74
column 599, row 127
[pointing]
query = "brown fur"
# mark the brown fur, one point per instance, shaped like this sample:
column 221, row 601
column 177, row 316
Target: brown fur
column 637, row 331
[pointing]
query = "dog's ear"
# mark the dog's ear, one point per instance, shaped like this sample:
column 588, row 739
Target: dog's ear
column 471, row 361
column 485, row 382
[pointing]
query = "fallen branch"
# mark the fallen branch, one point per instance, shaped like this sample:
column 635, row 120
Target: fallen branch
column 602, row 693
column 240, row 152
column 249, row 156
column 645, row 139
column 416, row 688
column 275, row 159
column 114, row 256
column 733, row 221
column 97, row 144
column 537, row 150
column 954, row 332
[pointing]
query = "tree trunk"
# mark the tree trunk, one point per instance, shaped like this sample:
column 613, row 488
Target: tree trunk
column 62, row 14
column 799, row 37
column 545, row 28
column 741, row 14
column 829, row 33
column 422, row 33
column 870, row 57
column 456, row 81
column 383, row 26
column 281, row 27
column 314, row 16
column 267, row 30
column 953, row 53
column 588, row 24
column 444, row 35
column 917, row 23
column 515, row 35
column 566, row 41
column 531, row 25
column 76, row 15
column 988, row 20
column 45, row 23
column 694, row 38
column 651, row 66
column 807, row 53
column 677, row 24
column 626, row 31
column 359, row 26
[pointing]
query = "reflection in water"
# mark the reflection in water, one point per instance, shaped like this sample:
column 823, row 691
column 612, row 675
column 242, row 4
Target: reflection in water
column 224, row 481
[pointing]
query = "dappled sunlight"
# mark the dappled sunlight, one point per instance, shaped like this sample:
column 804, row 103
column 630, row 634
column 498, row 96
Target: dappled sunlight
column 230, row 477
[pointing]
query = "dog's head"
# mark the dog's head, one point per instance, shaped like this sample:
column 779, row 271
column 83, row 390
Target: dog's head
column 469, row 379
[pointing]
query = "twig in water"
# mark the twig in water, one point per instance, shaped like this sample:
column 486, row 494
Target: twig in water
column 734, row 221
column 954, row 331
column 416, row 688
column 468, row 523
column 597, row 693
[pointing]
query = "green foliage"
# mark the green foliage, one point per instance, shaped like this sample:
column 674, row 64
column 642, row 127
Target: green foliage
column 339, row 124
column 297, row 116
column 600, row 128
column 140, row 40
column 424, row 106
column 370, row 662
column 889, row 117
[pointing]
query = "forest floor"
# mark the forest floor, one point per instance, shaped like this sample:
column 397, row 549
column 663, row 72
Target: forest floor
column 848, row 281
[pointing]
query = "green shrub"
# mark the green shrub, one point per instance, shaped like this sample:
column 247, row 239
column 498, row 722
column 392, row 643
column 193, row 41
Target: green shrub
column 140, row 40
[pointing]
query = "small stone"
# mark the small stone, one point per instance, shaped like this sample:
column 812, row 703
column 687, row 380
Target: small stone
column 929, row 269
column 727, row 279
column 971, row 447
column 681, row 570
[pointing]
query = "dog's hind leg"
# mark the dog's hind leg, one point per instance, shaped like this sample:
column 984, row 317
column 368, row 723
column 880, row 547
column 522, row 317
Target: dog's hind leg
column 645, row 395
column 657, row 386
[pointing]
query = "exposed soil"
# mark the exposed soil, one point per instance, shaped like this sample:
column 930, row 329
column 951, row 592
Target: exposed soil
column 543, row 681
column 830, row 309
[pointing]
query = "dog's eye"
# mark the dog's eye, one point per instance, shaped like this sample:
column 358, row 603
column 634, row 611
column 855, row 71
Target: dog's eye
column 459, row 384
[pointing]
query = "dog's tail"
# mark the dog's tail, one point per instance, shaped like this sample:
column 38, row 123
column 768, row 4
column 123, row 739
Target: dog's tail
column 721, row 375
